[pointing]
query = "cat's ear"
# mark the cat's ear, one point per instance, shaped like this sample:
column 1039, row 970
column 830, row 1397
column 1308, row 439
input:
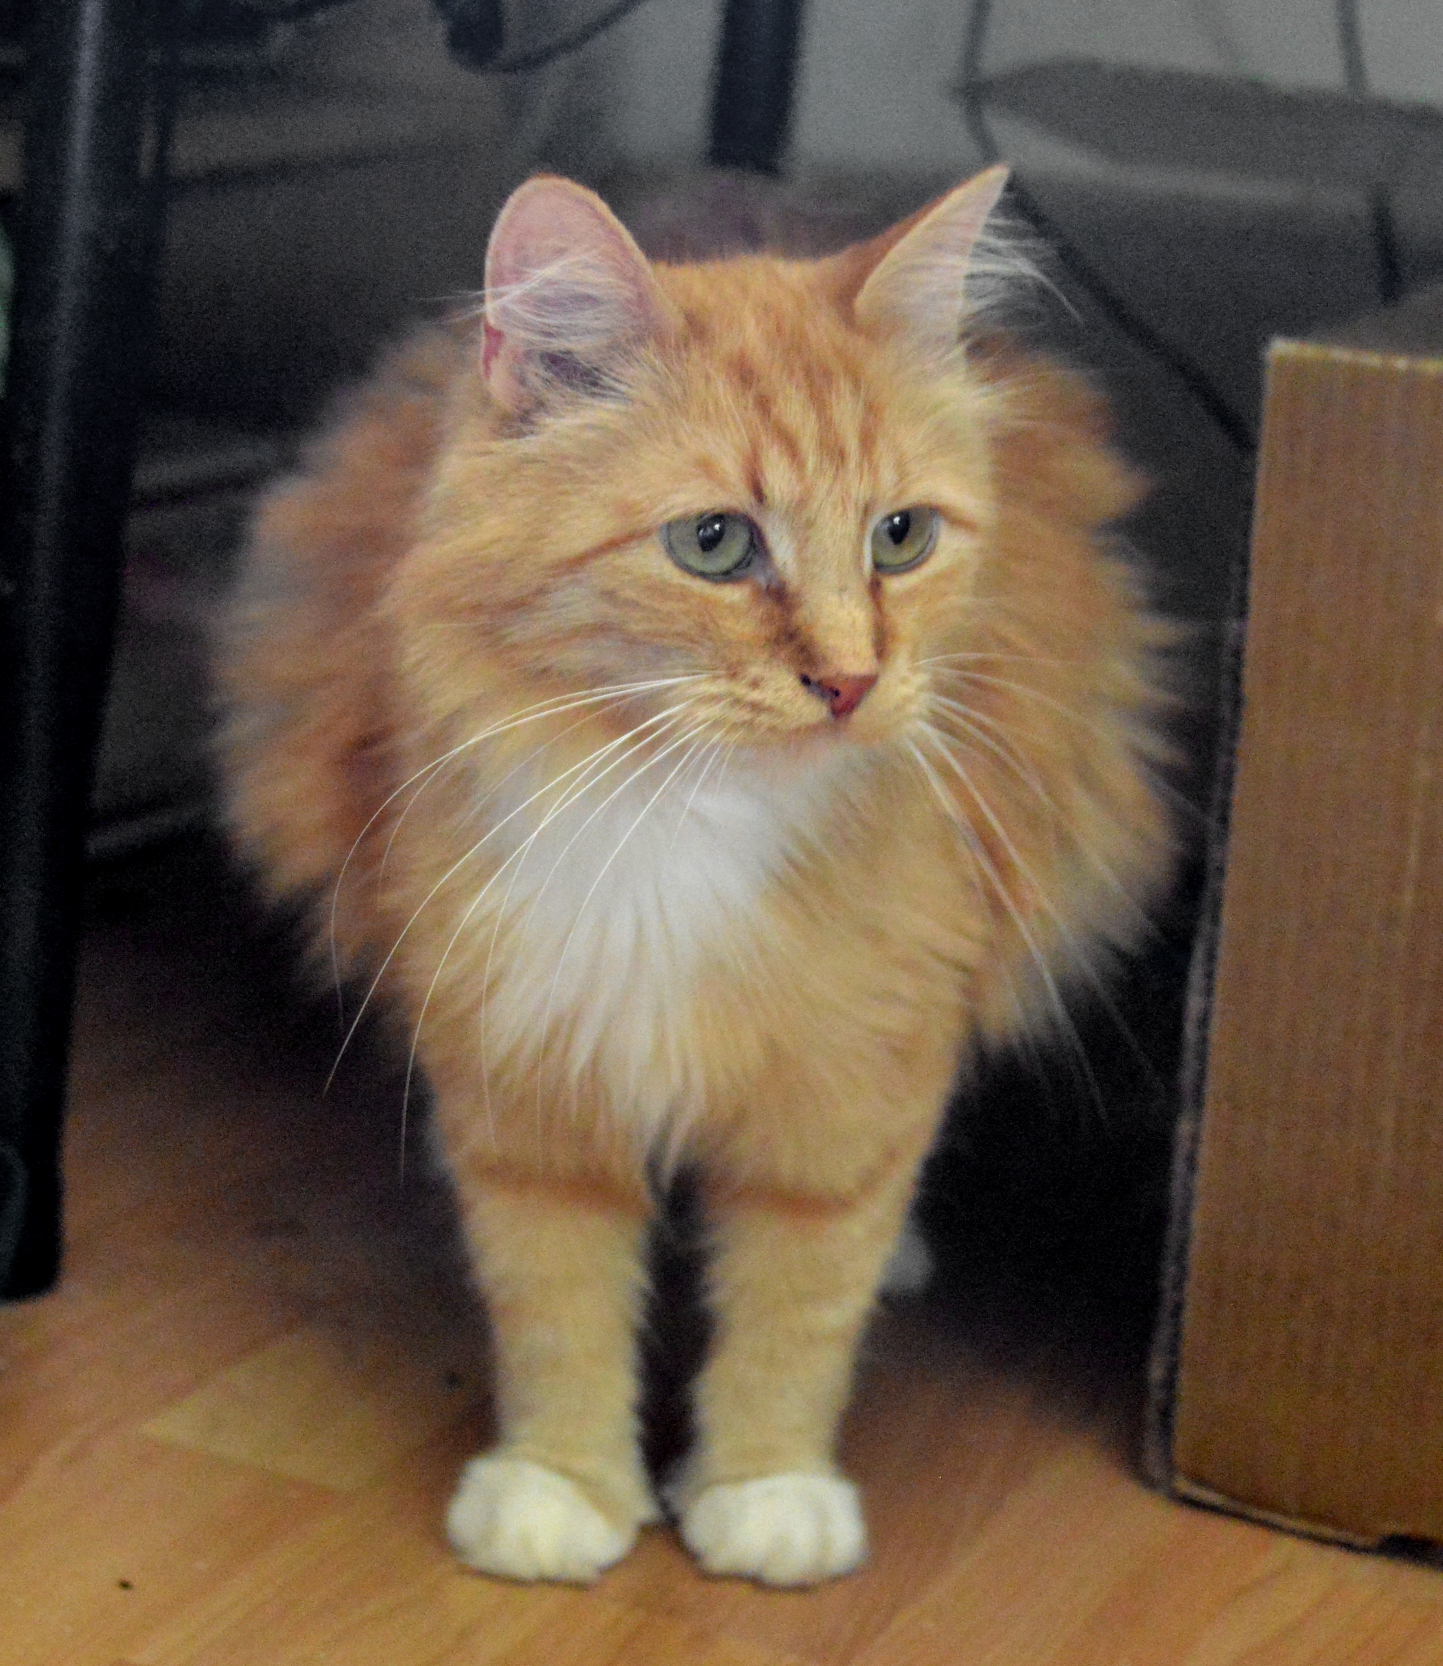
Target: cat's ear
column 920, row 271
column 569, row 296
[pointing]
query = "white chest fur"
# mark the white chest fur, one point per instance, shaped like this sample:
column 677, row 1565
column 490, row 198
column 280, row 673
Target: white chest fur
column 611, row 908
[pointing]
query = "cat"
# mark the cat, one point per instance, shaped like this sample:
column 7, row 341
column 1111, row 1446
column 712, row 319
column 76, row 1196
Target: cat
column 706, row 704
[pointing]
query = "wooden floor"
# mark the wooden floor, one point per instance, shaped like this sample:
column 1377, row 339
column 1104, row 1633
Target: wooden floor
column 229, row 1437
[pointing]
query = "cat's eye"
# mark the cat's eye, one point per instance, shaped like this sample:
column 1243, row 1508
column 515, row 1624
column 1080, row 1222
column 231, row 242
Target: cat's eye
column 903, row 539
column 717, row 545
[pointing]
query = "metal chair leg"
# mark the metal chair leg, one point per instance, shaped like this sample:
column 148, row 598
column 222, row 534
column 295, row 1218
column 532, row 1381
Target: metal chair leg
column 83, row 258
column 752, row 95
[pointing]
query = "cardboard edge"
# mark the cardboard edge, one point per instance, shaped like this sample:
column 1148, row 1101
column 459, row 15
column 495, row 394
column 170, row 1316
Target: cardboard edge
column 1164, row 1355
column 1192, row 1492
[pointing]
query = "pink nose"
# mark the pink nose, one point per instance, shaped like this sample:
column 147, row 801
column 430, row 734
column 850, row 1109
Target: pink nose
column 842, row 693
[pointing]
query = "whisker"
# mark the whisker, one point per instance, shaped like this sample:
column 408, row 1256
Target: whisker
column 573, row 794
column 1153, row 753
column 713, row 751
column 466, row 857
column 1044, row 971
column 948, row 806
column 497, row 785
column 972, row 721
column 1071, row 713
column 980, row 864
column 691, row 737
column 553, row 706
column 993, row 654
column 1095, row 980
column 606, row 694
column 518, row 856
column 551, row 872
column 968, row 717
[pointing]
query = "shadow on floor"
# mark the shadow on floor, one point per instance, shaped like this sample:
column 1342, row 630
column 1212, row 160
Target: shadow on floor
column 1044, row 1206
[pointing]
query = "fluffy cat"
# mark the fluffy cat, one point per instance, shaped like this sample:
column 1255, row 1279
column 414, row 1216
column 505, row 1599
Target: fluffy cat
column 703, row 703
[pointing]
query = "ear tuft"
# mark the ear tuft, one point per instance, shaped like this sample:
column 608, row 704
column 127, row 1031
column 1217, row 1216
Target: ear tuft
column 935, row 269
column 569, row 296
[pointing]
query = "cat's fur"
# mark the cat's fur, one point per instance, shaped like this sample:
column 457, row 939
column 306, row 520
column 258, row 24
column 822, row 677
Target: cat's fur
column 596, row 829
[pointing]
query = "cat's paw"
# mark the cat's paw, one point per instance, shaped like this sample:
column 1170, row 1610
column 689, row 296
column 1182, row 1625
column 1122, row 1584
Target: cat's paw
column 520, row 1520
column 781, row 1529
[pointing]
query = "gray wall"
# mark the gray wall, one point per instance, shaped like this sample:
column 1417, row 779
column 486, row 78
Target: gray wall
column 874, row 85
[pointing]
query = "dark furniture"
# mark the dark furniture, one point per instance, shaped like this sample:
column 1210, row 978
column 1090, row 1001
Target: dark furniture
column 83, row 260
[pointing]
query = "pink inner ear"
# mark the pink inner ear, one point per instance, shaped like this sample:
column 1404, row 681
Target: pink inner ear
column 918, row 285
column 491, row 343
column 563, row 274
column 542, row 221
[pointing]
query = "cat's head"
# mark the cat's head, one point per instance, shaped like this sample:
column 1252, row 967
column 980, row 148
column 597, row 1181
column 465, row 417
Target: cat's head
column 774, row 479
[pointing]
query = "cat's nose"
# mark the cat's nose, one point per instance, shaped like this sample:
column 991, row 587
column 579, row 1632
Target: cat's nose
column 842, row 692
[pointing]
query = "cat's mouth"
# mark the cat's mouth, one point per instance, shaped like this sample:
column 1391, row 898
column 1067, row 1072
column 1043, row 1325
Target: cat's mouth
column 833, row 733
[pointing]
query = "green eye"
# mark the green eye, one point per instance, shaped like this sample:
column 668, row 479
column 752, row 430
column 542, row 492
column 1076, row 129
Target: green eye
column 903, row 539
column 718, row 545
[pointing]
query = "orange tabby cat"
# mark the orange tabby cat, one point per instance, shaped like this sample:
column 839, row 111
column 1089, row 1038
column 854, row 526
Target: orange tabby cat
column 703, row 701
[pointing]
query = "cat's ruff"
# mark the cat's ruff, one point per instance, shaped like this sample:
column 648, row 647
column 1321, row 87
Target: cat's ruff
column 620, row 899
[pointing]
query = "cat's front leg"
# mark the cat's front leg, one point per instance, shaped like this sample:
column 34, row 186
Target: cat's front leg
column 563, row 1493
column 792, row 1283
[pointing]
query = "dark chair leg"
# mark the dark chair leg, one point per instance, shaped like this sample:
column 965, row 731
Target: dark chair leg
column 83, row 255
column 752, row 95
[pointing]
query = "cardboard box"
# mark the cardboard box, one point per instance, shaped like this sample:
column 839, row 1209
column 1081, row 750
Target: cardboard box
column 1298, row 1373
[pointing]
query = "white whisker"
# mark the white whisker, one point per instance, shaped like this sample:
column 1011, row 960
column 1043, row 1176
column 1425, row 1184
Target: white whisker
column 518, row 856
column 462, row 860
column 1034, row 949
column 973, row 721
column 572, row 795
column 993, row 655
column 980, row 864
column 605, row 867
column 1071, row 713
column 712, row 751
column 553, row 706
column 1095, row 979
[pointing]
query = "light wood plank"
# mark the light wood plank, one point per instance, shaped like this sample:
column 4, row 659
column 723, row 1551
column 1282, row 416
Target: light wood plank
column 103, row 1537
column 1083, row 1568
column 319, row 1406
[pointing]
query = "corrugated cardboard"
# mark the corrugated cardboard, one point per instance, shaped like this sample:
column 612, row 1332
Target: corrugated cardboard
column 1298, row 1375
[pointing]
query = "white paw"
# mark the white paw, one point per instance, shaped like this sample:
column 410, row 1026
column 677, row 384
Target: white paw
column 781, row 1529
column 910, row 1268
column 523, row 1521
